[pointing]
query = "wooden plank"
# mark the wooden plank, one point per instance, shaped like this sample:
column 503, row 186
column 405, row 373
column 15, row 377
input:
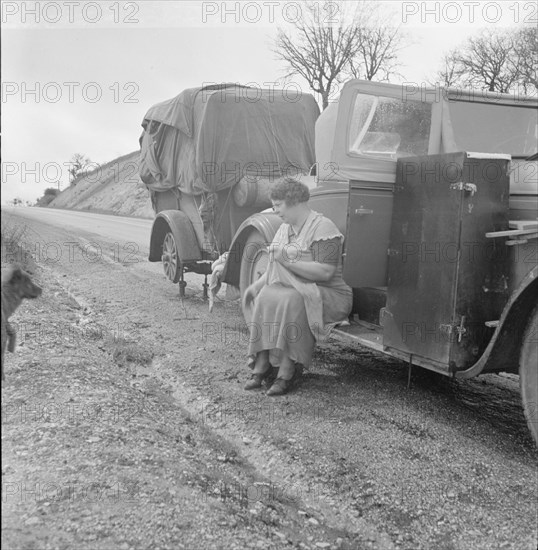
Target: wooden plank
column 523, row 224
column 510, row 233
column 515, row 242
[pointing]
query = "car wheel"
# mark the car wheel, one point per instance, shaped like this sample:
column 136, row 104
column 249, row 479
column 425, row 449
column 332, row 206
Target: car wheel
column 528, row 373
column 170, row 258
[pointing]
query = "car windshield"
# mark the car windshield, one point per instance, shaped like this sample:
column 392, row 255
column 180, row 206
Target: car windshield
column 389, row 128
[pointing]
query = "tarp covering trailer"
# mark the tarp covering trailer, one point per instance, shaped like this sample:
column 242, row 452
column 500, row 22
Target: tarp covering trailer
column 208, row 156
column 207, row 139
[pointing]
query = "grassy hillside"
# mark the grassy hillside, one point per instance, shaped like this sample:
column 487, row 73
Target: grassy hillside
column 113, row 188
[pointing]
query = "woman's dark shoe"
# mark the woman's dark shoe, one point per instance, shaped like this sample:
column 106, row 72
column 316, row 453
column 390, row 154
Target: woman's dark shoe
column 256, row 380
column 281, row 386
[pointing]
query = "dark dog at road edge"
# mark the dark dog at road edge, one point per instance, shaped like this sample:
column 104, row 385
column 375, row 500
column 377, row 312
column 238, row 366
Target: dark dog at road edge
column 16, row 285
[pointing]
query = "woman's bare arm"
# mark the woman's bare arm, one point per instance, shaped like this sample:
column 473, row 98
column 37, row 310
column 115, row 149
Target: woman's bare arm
column 307, row 269
column 313, row 271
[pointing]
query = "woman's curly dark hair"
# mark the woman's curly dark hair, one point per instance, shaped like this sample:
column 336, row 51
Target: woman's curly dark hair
column 291, row 191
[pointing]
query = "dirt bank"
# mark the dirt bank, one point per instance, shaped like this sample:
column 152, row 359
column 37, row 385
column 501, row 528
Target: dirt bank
column 113, row 188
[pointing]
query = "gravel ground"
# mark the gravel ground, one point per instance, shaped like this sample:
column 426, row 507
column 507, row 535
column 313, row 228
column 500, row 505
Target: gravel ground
column 125, row 426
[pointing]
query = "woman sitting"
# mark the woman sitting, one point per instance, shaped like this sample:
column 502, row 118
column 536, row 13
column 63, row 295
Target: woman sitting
column 301, row 296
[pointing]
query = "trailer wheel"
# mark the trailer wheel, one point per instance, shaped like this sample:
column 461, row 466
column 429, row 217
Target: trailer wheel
column 528, row 373
column 170, row 258
column 254, row 260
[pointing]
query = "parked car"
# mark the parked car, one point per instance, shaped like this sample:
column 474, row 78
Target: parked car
column 436, row 192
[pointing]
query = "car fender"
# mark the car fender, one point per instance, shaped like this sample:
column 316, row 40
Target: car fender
column 266, row 223
column 502, row 352
column 180, row 226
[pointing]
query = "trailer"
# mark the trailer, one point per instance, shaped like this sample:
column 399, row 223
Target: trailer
column 208, row 157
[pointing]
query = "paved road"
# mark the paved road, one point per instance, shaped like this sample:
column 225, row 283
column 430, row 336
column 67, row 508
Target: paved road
column 122, row 229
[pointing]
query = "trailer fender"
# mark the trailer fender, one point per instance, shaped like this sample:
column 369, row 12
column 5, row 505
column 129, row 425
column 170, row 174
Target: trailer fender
column 502, row 352
column 180, row 226
column 266, row 223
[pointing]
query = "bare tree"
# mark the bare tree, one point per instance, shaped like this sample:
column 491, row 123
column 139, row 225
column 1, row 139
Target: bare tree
column 497, row 61
column 317, row 53
column 327, row 52
column 450, row 75
column 487, row 61
column 378, row 52
column 77, row 163
column 525, row 59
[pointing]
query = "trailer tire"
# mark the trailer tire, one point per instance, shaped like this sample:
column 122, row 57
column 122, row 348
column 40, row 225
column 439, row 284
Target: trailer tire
column 170, row 257
column 254, row 260
column 528, row 373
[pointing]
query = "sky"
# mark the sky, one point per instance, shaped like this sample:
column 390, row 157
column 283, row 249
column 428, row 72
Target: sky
column 78, row 76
